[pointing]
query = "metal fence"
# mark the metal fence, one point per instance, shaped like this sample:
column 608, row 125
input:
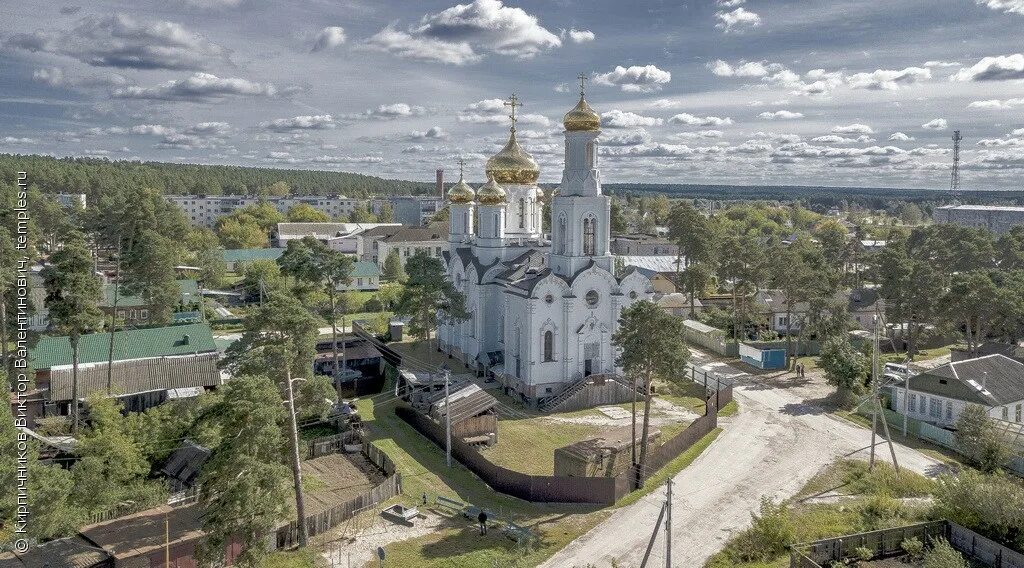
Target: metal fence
column 888, row 543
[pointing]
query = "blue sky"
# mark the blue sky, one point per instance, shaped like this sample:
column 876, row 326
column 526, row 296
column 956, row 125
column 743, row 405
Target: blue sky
column 839, row 92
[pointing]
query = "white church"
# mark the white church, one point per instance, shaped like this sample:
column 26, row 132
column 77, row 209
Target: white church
column 543, row 308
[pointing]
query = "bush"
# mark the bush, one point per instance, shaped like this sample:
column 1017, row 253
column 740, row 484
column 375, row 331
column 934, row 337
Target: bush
column 882, row 511
column 942, row 555
column 863, row 553
column 913, row 547
column 768, row 536
column 980, row 441
column 992, row 505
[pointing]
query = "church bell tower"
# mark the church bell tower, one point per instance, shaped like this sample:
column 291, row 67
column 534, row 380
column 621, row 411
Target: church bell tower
column 580, row 213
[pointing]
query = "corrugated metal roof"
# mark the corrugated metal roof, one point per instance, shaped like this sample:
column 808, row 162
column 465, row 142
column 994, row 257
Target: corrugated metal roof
column 137, row 376
column 71, row 552
column 128, row 344
column 661, row 263
column 247, row 255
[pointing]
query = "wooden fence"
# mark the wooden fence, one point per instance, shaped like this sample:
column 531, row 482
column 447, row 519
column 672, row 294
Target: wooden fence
column 288, row 535
column 887, row 543
column 556, row 489
column 326, row 445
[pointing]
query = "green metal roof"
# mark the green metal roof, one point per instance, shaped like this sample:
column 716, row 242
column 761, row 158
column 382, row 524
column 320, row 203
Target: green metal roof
column 247, row 255
column 189, row 293
column 365, row 269
column 128, row 344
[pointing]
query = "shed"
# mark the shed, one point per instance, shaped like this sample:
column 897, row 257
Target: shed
column 183, row 467
column 71, row 552
column 607, row 456
column 471, row 410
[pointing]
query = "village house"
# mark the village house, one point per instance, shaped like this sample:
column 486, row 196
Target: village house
column 135, row 311
column 409, row 241
column 365, row 276
column 678, row 304
column 148, row 363
column 861, row 304
column 938, row 396
column 643, row 245
column 324, row 232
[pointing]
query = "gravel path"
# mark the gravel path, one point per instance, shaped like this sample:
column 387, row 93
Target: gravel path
column 772, row 447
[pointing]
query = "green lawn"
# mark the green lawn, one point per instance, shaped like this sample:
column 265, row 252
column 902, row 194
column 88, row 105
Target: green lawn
column 458, row 545
column 528, row 445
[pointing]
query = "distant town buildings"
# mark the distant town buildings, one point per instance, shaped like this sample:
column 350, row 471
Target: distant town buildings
column 204, row 210
column 411, row 210
column 643, row 245
column 995, row 218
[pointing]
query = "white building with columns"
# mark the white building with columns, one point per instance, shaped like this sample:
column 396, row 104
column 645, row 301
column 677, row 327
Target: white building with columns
column 542, row 308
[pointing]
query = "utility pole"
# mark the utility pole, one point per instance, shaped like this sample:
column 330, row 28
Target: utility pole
column 906, row 399
column 300, row 506
column 668, row 523
column 167, row 541
column 874, row 391
column 113, row 321
column 447, row 419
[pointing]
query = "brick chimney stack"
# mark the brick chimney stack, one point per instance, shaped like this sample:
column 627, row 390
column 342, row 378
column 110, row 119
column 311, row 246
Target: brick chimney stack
column 440, row 183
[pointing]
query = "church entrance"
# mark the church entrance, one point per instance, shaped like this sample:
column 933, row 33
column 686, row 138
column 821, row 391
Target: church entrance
column 591, row 351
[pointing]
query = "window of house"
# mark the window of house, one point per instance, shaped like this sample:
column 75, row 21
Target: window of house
column 921, row 410
column 949, row 410
column 1017, row 419
column 549, row 345
column 359, row 281
column 912, row 405
column 935, row 408
column 1006, row 413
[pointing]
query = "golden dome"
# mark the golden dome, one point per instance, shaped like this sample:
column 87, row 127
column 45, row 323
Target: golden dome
column 461, row 192
column 491, row 193
column 582, row 117
column 513, row 164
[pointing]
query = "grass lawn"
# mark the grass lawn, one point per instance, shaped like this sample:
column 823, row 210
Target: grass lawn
column 872, row 504
column 295, row 559
column 729, row 409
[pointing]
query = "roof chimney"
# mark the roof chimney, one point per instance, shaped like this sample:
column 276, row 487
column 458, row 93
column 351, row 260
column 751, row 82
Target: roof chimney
column 984, row 379
column 185, row 340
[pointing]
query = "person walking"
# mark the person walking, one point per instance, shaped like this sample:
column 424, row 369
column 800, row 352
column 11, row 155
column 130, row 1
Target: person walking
column 482, row 517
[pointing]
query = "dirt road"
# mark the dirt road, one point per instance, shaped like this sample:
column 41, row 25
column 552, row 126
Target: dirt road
column 773, row 447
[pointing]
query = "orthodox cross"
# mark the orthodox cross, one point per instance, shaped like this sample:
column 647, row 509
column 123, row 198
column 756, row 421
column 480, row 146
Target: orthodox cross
column 513, row 102
column 583, row 82
column 462, row 164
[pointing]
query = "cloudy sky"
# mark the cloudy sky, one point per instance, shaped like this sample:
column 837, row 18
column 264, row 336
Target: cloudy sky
column 834, row 92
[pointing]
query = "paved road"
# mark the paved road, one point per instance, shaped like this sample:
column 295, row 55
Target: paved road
column 773, row 447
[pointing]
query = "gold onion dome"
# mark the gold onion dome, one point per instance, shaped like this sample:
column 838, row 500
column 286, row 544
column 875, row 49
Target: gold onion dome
column 582, row 117
column 490, row 193
column 513, row 164
column 461, row 192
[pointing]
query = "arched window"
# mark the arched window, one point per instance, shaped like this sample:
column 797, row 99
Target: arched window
column 465, row 221
column 560, row 236
column 522, row 212
column 497, row 225
column 589, row 236
column 549, row 346
column 590, row 154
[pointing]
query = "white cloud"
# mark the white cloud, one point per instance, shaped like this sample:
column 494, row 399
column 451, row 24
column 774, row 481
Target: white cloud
column 743, row 68
column 729, row 3
column 634, row 138
column 855, row 128
column 458, row 34
column 494, row 111
column 329, row 38
column 1008, row 6
column 13, row 140
column 395, row 110
column 737, row 19
column 619, row 119
column 888, row 79
column 636, row 78
column 781, row 115
column 942, row 64
column 407, row 46
column 306, row 122
column 691, row 120
column 578, row 36
column 900, row 137
column 700, row 134
column 998, row 68
column 199, row 87
column 997, row 104
column 432, row 133
column 936, row 124
column 837, row 139
column 122, row 41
